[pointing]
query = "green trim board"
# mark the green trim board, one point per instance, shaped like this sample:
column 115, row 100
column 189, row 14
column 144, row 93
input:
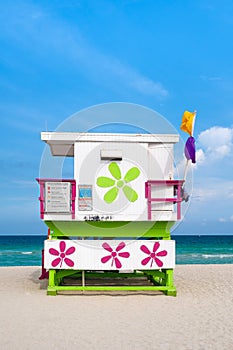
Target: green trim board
column 134, row 229
column 158, row 281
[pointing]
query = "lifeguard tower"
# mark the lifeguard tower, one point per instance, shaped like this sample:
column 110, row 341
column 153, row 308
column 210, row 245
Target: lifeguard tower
column 110, row 224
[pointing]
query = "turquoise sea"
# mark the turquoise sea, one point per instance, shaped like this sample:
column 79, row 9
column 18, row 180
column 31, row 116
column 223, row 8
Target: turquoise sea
column 26, row 250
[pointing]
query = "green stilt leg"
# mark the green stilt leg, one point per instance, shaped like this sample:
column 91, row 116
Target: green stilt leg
column 171, row 291
column 52, row 283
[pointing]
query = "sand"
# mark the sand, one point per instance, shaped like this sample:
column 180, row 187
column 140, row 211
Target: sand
column 200, row 317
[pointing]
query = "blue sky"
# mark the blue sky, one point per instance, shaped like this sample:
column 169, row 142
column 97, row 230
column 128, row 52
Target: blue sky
column 59, row 57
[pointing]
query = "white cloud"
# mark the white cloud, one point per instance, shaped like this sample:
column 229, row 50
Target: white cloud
column 147, row 86
column 222, row 220
column 215, row 189
column 210, row 78
column 213, row 145
column 215, row 136
column 73, row 49
column 204, row 194
column 200, row 156
column 228, row 219
column 216, row 143
column 113, row 70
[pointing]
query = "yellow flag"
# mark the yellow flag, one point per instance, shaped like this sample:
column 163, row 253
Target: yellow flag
column 188, row 122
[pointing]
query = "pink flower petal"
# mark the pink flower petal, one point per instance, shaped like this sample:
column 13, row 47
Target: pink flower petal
column 145, row 249
column 146, row 260
column 69, row 262
column 158, row 262
column 124, row 254
column 105, row 259
column 55, row 262
column 54, row 251
column 107, row 247
column 70, row 250
column 62, row 246
column 162, row 253
column 120, row 246
column 156, row 246
column 117, row 263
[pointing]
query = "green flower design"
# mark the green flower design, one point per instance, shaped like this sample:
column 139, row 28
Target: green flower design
column 118, row 183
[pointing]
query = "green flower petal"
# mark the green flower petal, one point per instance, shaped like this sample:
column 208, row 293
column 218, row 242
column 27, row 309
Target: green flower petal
column 132, row 174
column 115, row 170
column 130, row 194
column 104, row 181
column 111, row 195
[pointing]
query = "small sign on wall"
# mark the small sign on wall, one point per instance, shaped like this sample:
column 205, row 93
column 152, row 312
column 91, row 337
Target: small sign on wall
column 85, row 197
column 57, row 197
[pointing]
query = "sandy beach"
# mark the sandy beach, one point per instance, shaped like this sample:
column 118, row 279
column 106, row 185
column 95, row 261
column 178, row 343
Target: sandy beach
column 200, row 317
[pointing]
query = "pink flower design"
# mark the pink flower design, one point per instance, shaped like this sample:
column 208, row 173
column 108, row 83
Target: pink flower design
column 153, row 256
column 61, row 255
column 114, row 254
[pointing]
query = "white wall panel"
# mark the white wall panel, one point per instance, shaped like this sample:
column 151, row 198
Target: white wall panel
column 109, row 254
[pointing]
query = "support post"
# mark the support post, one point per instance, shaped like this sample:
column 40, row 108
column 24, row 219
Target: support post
column 51, row 286
column 171, row 290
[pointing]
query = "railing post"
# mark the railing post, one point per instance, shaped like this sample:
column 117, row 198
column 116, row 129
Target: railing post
column 73, row 195
column 42, row 199
column 42, row 195
column 149, row 201
column 179, row 202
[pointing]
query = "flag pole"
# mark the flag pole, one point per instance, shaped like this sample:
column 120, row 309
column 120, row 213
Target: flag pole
column 194, row 119
column 186, row 169
column 190, row 132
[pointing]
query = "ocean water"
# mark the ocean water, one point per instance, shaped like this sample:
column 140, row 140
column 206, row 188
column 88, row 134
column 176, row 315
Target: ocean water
column 26, row 250
column 21, row 250
column 204, row 249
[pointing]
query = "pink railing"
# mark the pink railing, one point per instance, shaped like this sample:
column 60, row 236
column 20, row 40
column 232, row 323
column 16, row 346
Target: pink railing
column 176, row 199
column 42, row 195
